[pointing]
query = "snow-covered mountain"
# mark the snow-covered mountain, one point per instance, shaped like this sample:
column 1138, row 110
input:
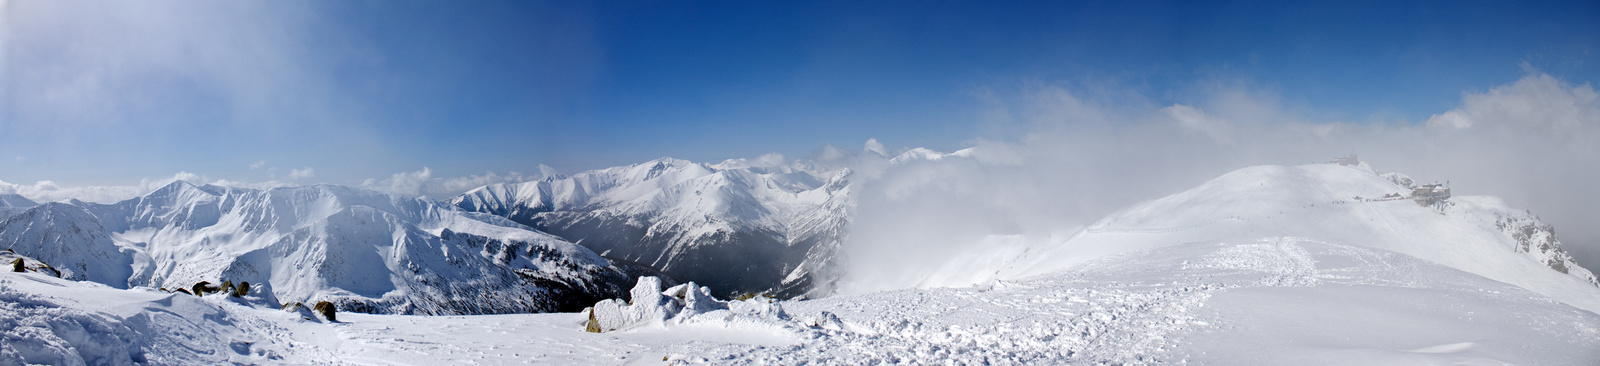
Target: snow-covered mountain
column 70, row 239
column 1346, row 204
column 11, row 203
column 1319, row 263
column 740, row 229
column 364, row 250
column 732, row 227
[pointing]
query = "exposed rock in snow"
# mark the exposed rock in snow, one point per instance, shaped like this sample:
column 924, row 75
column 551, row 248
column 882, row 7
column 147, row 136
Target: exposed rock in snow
column 687, row 303
column 1535, row 239
column 362, row 250
column 1400, row 180
column 71, row 240
column 736, row 227
column 1278, row 300
column 44, row 320
column 1480, row 235
column 1269, row 264
column 20, row 263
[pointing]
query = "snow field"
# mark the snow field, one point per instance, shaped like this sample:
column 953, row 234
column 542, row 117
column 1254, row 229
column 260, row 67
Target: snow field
column 46, row 320
column 1265, row 265
column 1272, row 300
column 1159, row 306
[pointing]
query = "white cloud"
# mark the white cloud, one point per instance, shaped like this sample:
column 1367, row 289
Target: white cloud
column 424, row 183
column 1086, row 152
column 306, row 172
column 258, row 165
column 769, row 160
column 1455, row 118
column 49, row 191
column 406, row 183
column 91, row 63
column 829, row 153
column 457, row 185
column 252, row 185
column 875, row 147
column 1537, row 101
column 1193, row 119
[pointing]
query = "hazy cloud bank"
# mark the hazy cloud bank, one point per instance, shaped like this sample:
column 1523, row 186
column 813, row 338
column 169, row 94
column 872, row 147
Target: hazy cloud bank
column 1085, row 152
column 103, row 85
column 417, row 183
column 49, row 191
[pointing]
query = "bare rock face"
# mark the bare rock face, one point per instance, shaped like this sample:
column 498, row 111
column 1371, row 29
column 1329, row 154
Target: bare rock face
column 20, row 263
column 71, row 240
column 732, row 228
column 1538, row 241
column 359, row 250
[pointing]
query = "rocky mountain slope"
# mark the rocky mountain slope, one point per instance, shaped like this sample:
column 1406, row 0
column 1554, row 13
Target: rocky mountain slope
column 1265, row 264
column 11, row 203
column 731, row 227
column 363, row 250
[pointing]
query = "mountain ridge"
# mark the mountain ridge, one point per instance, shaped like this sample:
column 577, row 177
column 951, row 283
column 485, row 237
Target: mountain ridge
column 732, row 226
column 363, row 250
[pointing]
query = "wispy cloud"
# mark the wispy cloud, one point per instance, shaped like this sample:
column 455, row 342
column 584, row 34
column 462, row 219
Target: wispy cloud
column 95, row 85
column 92, row 63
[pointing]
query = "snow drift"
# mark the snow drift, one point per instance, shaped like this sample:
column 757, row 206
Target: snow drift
column 649, row 306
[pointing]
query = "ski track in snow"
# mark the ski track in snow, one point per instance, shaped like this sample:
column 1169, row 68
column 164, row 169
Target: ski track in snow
column 1131, row 309
column 1137, row 308
column 1073, row 318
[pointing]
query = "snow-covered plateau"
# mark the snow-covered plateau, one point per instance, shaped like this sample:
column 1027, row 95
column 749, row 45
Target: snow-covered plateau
column 1310, row 264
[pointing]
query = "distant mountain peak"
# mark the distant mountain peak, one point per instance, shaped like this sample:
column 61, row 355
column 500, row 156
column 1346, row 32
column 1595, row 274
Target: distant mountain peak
column 735, row 226
column 13, row 200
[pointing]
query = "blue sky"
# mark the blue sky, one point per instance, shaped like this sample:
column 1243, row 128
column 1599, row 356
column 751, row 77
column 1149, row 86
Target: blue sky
column 109, row 93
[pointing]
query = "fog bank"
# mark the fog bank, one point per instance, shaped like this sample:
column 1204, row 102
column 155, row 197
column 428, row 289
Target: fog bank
column 1084, row 153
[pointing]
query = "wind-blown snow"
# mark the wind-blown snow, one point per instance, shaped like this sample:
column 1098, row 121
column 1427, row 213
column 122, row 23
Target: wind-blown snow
column 1328, row 202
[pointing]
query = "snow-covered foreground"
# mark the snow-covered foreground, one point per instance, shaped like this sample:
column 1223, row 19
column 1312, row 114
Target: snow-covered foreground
column 1275, row 300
